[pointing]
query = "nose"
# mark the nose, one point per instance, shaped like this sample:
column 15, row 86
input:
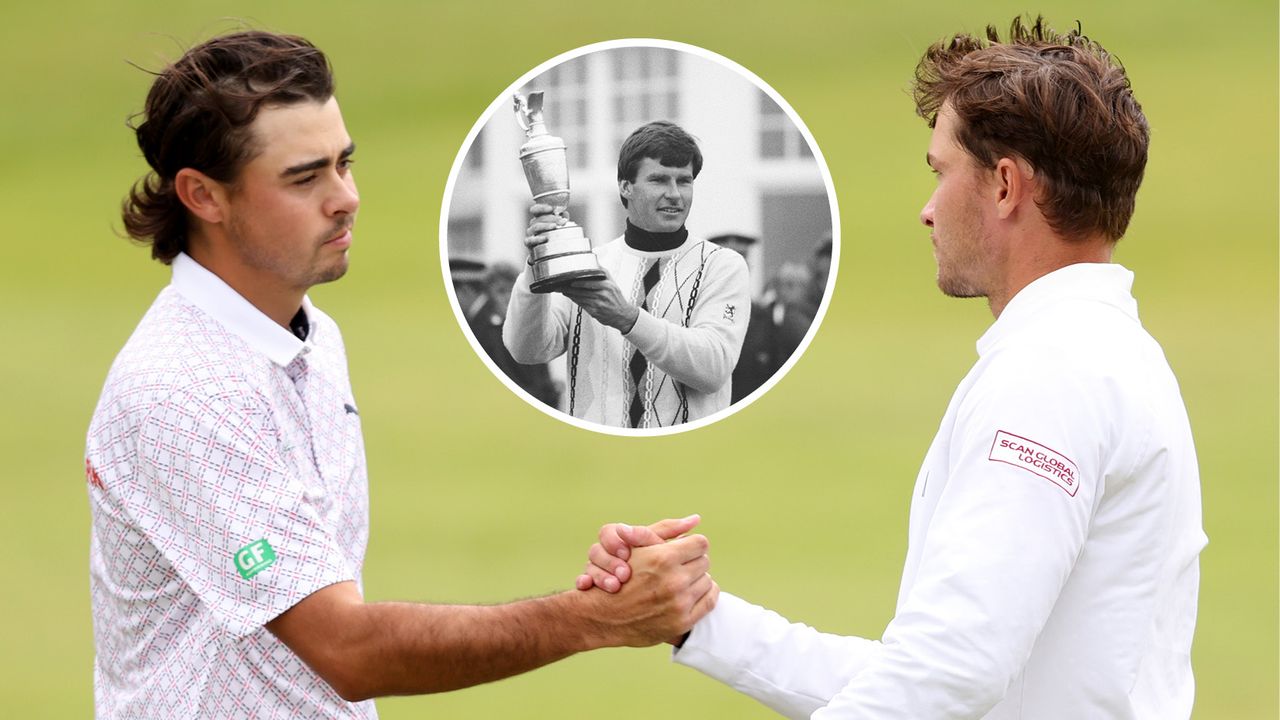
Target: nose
column 926, row 213
column 345, row 199
column 671, row 191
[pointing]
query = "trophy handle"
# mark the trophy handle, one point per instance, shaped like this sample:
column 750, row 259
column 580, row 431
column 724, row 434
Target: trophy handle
column 521, row 110
column 528, row 112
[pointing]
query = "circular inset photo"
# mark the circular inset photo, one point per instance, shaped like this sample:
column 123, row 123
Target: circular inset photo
column 638, row 237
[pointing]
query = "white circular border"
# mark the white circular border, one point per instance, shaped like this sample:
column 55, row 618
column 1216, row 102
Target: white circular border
column 504, row 100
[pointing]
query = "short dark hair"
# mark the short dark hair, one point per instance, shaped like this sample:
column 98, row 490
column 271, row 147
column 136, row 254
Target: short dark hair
column 1060, row 102
column 660, row 140
column 197, row 115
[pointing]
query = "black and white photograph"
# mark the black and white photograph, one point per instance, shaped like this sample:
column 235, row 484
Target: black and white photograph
column 585, row 275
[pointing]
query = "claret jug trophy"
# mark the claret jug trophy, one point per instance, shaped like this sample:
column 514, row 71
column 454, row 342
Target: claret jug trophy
column 566, row 255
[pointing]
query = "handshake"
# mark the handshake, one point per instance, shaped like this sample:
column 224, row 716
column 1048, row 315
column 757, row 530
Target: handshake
column 647, row 584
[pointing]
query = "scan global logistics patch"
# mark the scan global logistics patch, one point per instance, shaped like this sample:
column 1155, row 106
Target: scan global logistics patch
column 1035, row 458
column 254, row 558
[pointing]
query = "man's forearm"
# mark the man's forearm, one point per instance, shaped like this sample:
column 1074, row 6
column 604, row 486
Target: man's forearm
column 700, row 357
column 366, row 650
column 790, row 667
column 407, row 648
column 703, row 354
column 535, row 331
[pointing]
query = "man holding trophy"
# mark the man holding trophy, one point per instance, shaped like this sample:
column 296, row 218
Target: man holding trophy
column 652, row 322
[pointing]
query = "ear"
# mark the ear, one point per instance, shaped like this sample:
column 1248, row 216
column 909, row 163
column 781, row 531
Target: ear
column 624, row 188
column 1013, row 185
column 205, row 197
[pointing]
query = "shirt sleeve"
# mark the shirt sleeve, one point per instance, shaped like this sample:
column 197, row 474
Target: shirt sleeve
column 537, row 326
column 703, row 354
column 1023, row 478
column 790, row 667
column 213, row 493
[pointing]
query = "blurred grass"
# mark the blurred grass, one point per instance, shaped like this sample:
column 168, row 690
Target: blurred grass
column 478, row 497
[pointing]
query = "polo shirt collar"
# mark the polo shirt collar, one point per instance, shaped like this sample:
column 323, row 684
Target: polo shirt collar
column 1107, row 283
column 208, row 292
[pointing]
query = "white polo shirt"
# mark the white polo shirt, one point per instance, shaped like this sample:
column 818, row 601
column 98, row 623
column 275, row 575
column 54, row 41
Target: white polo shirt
column 1052, row 567
column 227, row 482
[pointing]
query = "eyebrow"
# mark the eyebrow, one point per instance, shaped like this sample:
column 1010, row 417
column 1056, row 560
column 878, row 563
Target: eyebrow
column 665, row 173
column 318, row 163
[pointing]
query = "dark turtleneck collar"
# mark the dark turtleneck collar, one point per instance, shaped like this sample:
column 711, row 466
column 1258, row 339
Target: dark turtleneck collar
column 645, row 241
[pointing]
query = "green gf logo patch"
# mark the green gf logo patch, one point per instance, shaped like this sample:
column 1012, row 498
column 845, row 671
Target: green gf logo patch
column 254, row 558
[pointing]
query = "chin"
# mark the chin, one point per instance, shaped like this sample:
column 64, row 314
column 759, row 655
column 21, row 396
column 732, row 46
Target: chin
column 333, row 273
column 958, row 289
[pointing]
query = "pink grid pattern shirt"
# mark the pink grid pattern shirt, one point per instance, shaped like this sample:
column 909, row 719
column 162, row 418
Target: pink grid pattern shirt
column 227, row 482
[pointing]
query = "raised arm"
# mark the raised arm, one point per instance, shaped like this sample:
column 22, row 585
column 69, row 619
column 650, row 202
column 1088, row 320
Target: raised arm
column 537, row 325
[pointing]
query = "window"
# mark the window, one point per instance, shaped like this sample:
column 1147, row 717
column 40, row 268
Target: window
column 779, row 137
column 466, row 237
column 645, row 88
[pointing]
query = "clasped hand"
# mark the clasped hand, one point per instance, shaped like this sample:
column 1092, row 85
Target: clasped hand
column 659, row 565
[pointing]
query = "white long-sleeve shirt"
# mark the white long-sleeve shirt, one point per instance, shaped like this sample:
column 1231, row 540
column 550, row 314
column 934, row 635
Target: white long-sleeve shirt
column 688, row 362
column 1052, row 567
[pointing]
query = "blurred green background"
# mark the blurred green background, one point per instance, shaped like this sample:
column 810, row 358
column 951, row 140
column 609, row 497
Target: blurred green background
column 477, row 496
